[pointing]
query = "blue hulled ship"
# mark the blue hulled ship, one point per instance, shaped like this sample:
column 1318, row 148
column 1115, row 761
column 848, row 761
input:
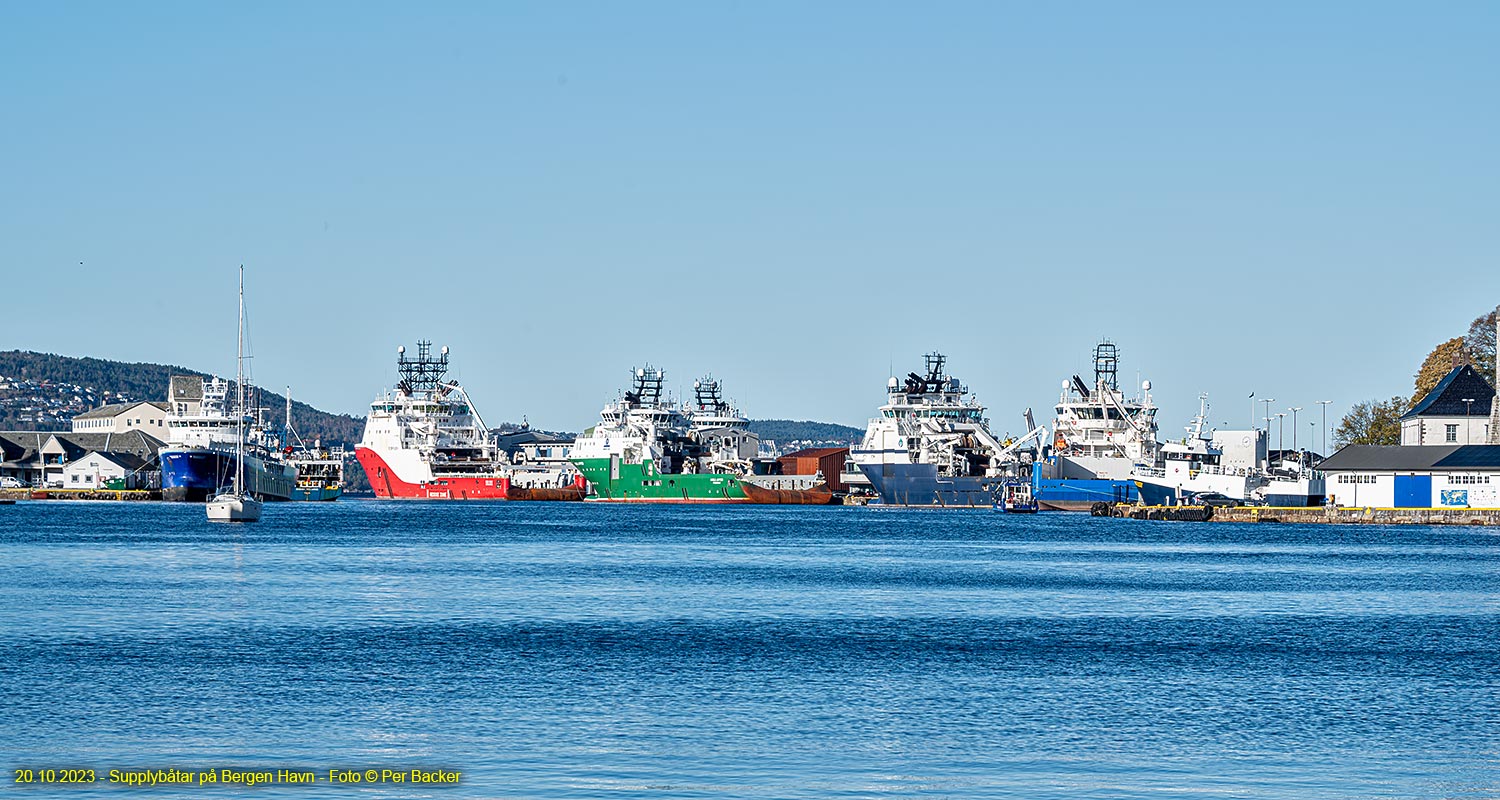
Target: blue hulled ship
column 199, row 459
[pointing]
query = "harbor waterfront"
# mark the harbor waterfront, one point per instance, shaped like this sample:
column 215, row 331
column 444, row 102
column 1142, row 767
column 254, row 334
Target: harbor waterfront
column 554, row 650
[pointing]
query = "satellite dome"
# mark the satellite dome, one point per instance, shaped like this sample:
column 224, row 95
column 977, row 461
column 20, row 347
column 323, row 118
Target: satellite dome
column 892, row 383
column 1146, row 385
column 697, row 384
column 401, row 349
column 445, row 349
column 640, row 373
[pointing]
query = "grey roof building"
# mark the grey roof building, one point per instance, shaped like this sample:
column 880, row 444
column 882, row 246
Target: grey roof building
column 1444, row 417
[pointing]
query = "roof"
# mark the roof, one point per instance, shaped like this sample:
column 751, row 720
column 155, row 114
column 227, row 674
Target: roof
column 1398, row 458
column 185, row 387
column 1447, row 398
column 510, row 441
column 135, row 442
column 128, row 461
column 21, row 447
column 115, row 409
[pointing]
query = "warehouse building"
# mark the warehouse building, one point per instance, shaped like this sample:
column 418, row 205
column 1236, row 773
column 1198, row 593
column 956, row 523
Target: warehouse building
column 1414, row 476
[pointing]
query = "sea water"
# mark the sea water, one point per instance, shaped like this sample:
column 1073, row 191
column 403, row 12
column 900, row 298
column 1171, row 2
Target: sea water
column 555, row 650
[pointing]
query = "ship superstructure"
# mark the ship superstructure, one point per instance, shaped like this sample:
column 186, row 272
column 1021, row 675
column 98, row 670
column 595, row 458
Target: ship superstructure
column 932, row 446
column 424, row 439
column 320, row 470
column 200, row 455
column 1100, row 434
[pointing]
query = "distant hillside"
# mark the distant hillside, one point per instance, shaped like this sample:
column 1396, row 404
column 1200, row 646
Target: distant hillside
column 44, row 391
column 785, row 431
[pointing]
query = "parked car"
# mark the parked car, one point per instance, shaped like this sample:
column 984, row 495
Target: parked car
column 11, row 483
column 1216, row 500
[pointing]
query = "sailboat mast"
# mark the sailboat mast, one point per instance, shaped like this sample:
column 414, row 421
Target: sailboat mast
column 239, row 384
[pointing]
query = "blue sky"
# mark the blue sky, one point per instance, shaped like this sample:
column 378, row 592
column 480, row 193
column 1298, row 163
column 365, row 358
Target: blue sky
column 1289, row 198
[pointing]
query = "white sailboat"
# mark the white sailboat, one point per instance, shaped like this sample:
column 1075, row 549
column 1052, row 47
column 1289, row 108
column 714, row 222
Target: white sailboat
column 236, row 505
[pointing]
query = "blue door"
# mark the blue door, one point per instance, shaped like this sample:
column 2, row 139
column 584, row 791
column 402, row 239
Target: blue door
column 1413, row 491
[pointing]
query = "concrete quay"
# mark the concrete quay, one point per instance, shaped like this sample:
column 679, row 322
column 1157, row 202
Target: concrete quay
column 1324, row 515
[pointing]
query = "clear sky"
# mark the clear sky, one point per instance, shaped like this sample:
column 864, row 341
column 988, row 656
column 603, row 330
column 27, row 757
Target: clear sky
column 1296, row 199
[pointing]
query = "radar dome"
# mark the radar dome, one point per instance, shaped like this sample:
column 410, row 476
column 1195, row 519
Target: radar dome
column 697, row 384
column 1146, row 385
column 445, row 349
column 401, row 349
column 640, row 373
column 892, row 383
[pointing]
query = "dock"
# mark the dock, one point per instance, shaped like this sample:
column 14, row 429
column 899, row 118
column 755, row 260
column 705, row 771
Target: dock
column 1310, row 515
column 80, row 494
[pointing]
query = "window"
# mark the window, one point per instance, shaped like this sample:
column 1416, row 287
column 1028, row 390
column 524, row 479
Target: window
column 1450, row 433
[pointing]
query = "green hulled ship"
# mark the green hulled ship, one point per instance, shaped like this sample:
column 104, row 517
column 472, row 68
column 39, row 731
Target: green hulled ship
column 646, row 449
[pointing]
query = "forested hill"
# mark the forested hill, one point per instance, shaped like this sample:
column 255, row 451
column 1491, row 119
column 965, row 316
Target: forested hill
column 41, row 391
column 786, row 431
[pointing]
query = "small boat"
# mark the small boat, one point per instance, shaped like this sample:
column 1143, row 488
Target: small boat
column 236, row 505
column 1016, row 497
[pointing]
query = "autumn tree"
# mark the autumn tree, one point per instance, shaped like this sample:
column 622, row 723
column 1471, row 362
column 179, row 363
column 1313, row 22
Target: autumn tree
column 1372, row 422
column 1480, row 342
column 1439, row 363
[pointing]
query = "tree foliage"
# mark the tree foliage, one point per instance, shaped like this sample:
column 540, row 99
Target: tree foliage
column 1372, row 422
column 1480, row 343
column 1439, row 363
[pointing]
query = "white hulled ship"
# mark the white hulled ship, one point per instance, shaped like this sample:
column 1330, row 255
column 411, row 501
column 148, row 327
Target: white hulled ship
column 932, row 446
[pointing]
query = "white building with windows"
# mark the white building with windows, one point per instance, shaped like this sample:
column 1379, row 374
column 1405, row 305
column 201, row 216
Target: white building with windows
column 1456, row 411
column 1414, row 476
column 124, row 418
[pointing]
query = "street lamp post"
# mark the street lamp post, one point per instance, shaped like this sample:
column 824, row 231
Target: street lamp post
column 1281, row 433
column 1294, row 427
column 1468, row 406
column 1324, row 404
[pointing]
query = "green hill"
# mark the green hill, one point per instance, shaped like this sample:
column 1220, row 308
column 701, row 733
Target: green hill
column 44, row 391
column 785, row 431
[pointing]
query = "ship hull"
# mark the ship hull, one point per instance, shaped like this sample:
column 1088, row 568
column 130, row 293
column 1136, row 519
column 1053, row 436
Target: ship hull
column 388, row 485
column 919, row 485
column 1081, row 494
column 820, row 495
column 615, row 482
column 316, row 494
column 196, row 474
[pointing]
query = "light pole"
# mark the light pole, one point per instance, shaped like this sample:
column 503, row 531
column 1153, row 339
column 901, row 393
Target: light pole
column 1268, row 401
column 1294, row 426
column 1468, row 406
column 1281, row 432
column 1324, row 404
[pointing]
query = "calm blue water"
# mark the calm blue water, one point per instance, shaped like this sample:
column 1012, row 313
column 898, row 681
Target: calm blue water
column 568, row 651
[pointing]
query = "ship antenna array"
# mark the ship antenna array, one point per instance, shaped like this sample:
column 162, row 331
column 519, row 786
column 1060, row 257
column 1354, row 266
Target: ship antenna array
column 648, row 382
column 709, row 394
column 935, row 362
column 423, row 372
column 1107, row 365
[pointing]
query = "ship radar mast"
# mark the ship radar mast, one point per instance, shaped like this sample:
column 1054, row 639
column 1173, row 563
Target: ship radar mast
column 1107, row 365
column 645, row 386
column 709, row 395
column 421, row 374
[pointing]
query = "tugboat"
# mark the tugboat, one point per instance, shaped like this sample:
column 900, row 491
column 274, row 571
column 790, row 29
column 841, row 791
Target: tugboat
column 646, row 449
column 320, row 470
column 1100, row 434
column 932, row 446
column 1017, row 497
column 426, row 441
